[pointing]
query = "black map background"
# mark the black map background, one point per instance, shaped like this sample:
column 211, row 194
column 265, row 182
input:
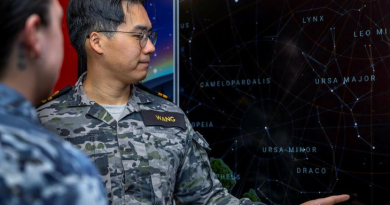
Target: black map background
column 348, row 124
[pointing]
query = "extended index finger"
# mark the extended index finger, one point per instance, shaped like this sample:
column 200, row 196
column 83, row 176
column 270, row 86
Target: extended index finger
column 335, row 199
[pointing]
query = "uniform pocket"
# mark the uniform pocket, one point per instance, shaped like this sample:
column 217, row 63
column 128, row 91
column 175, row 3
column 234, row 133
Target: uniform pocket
column 96, row 149
column 200, row 140
column 165, row 149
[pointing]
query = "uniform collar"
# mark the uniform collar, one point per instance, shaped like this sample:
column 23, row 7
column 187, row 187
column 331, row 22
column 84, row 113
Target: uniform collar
column 13, row 103
column 139, row 96
column 77, row 96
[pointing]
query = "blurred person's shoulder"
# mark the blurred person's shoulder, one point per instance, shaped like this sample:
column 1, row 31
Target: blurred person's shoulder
column 38, row 167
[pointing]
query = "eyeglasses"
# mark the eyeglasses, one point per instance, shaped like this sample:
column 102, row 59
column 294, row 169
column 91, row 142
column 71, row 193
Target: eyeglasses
column 143, row 36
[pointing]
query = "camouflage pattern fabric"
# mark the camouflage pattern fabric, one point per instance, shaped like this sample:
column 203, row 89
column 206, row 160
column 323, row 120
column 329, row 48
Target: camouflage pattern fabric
column 37, row 167
column 142, row 159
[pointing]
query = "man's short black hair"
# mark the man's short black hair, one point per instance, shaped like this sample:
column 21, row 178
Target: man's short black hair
column 86, row 16
column 13, row 17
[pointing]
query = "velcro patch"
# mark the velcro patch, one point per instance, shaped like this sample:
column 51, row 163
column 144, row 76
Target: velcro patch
column 166, row 119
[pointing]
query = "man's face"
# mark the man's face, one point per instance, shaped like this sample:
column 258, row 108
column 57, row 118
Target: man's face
column 52, row 52
column 126, row 60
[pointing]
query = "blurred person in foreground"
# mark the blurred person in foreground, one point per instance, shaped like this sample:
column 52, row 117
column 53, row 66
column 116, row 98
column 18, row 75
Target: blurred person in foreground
column 144, row 146
column 36, row 166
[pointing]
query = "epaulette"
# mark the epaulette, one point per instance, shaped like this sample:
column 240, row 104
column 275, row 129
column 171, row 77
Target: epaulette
column 161, row 95
column 57, row 94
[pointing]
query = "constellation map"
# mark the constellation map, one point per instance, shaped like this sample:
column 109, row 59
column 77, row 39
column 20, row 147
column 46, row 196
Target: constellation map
column 292, row 95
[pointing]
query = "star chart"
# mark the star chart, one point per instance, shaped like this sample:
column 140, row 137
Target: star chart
column 292, row 95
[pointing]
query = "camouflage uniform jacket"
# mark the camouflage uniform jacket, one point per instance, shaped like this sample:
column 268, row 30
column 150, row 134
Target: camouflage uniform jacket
column 150, row 156
column 37, row 167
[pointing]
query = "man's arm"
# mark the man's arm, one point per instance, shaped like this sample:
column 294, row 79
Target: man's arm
column 196, row 182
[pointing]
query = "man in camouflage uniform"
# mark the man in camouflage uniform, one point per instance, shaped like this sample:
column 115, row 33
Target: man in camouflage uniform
column 36, row 167
column 142, row 160
column 149, row 153
column 144, row 146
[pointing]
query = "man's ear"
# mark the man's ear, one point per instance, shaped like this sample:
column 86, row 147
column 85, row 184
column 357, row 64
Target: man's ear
column 30, row 37
column 94, row 41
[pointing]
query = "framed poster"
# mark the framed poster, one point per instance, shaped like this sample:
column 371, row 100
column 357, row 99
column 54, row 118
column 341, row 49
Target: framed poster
column 161, row 71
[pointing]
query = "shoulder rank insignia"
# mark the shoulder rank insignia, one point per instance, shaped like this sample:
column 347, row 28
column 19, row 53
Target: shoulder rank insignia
column 165, row 119
column 143, row 87
column 58, row 94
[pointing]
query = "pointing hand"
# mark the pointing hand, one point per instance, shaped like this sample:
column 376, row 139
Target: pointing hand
column 328, row 201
